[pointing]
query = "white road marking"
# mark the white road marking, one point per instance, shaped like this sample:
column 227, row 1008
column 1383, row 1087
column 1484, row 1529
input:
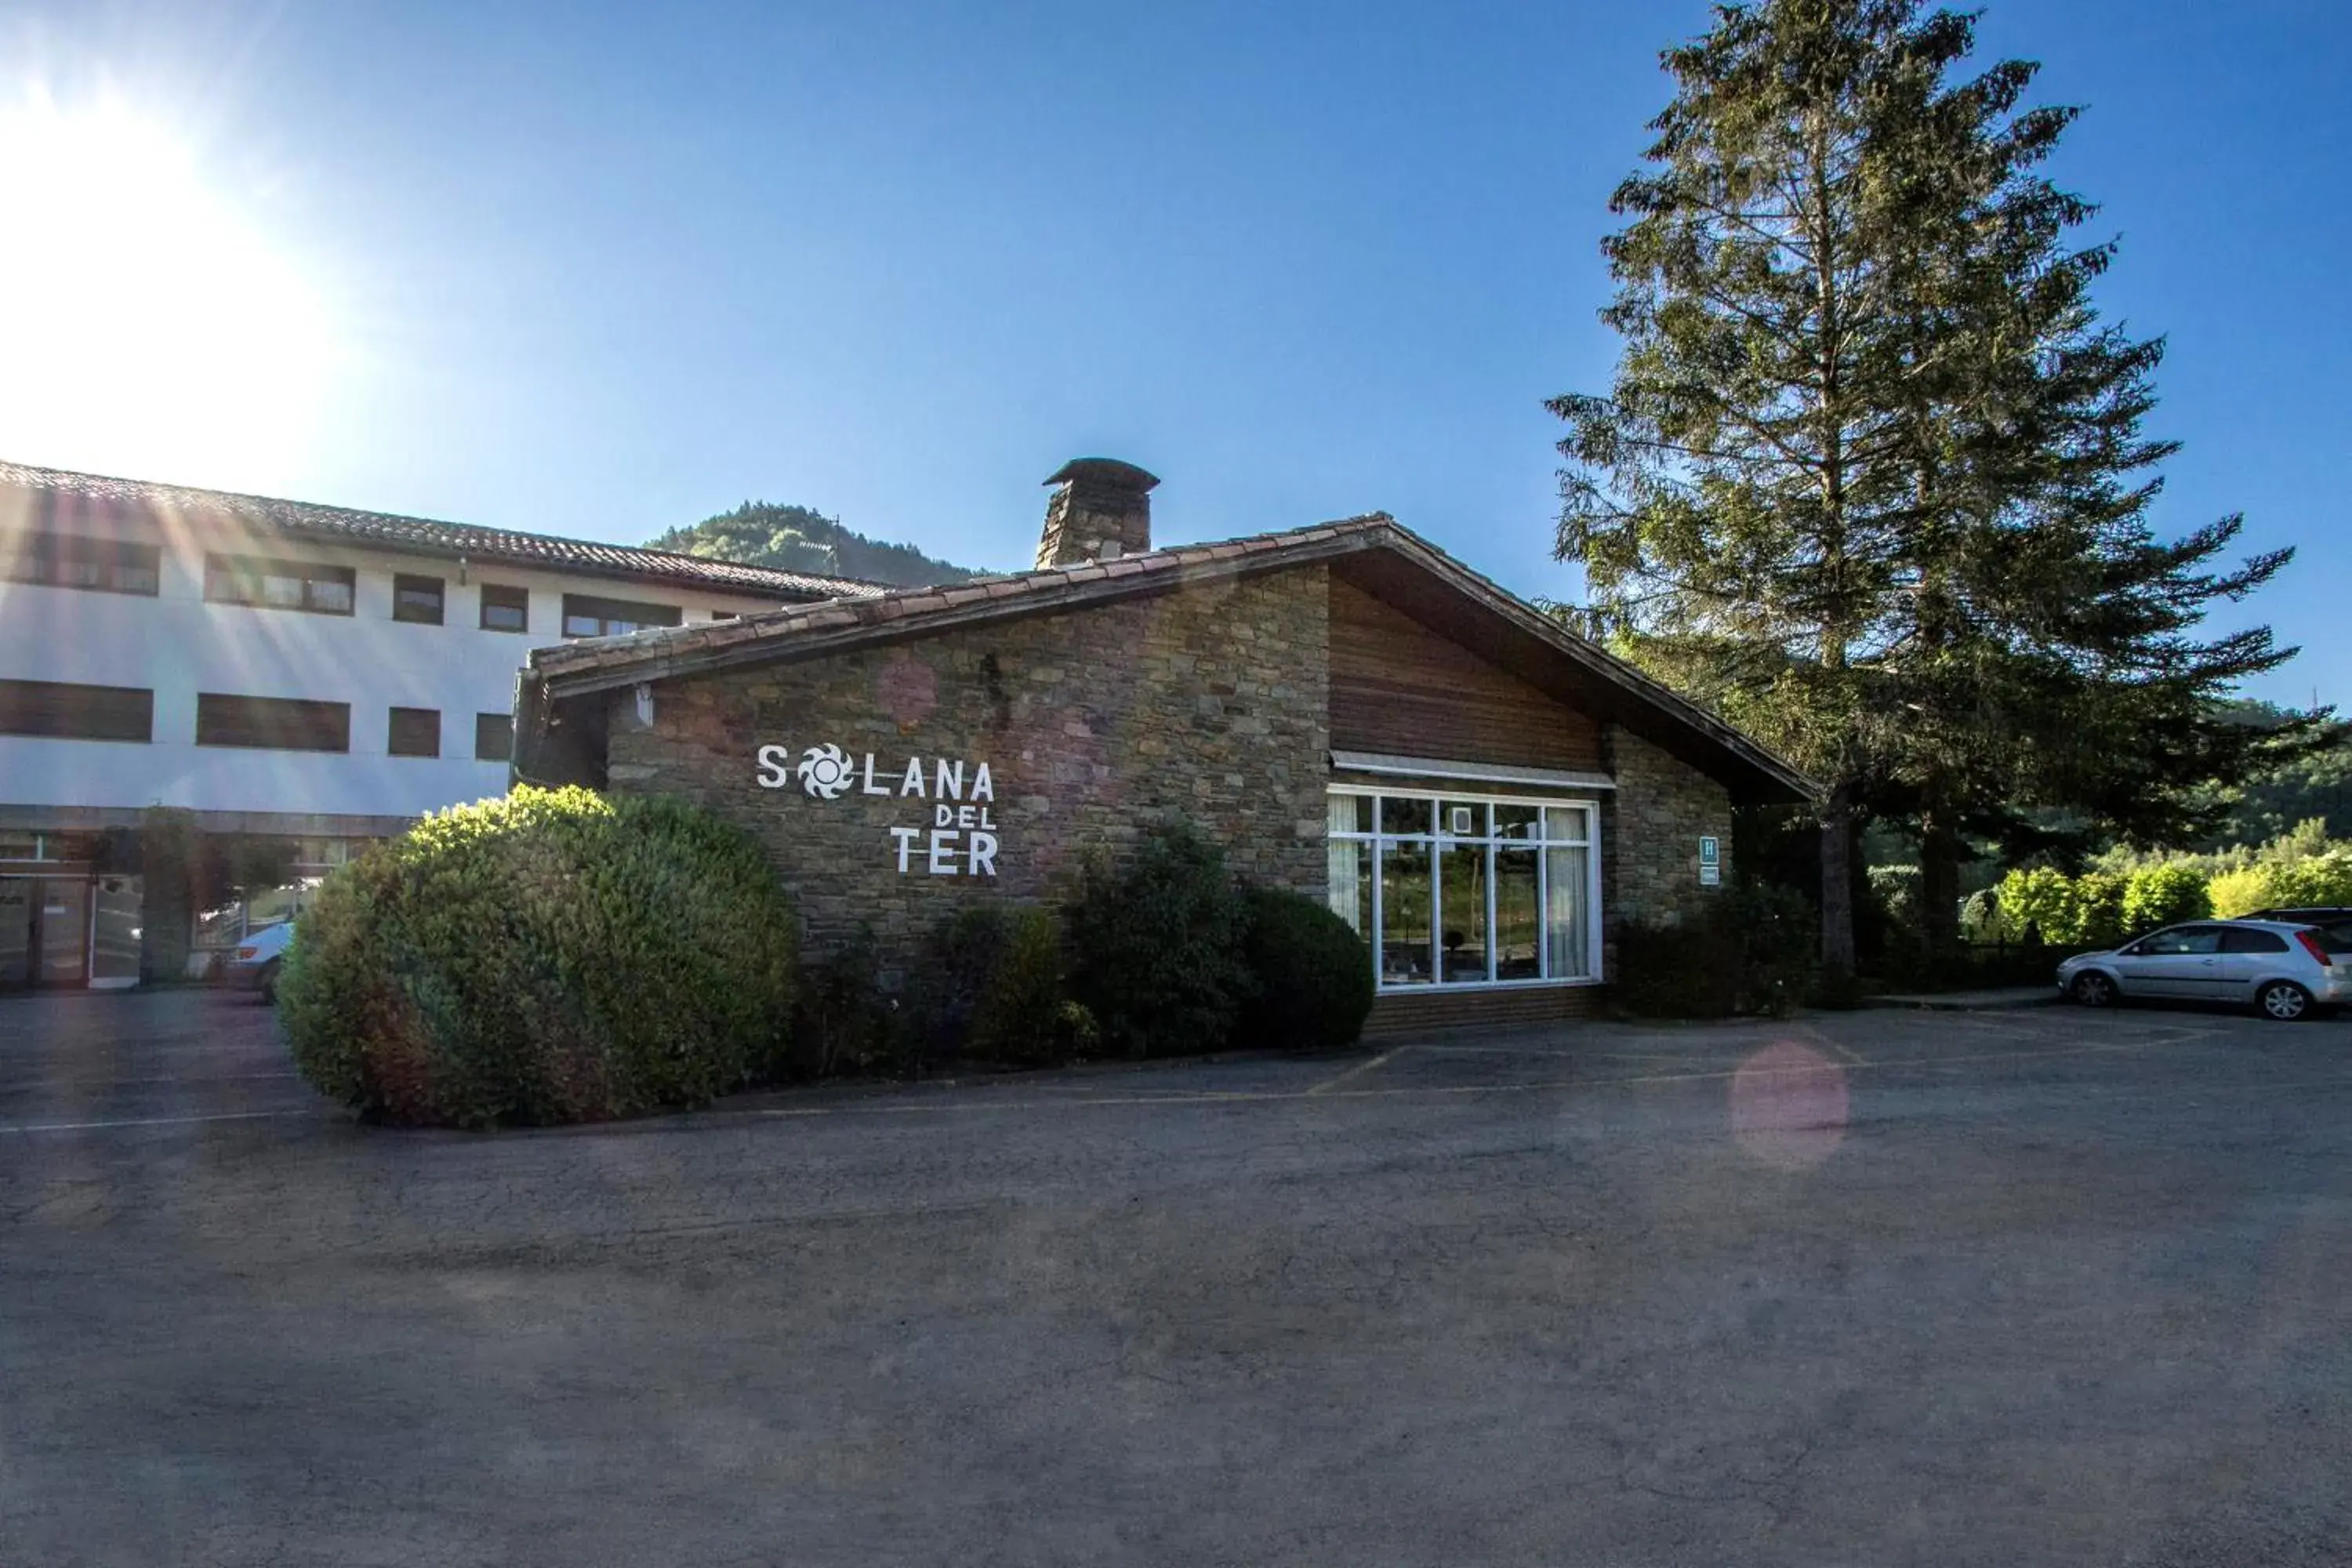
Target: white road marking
column 1357, row 1071
column 151, row 1122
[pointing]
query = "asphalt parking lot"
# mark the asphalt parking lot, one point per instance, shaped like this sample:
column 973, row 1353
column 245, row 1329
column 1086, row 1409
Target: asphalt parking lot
column 1880, row 1287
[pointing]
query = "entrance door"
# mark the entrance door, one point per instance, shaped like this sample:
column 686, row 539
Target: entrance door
column 63, row 923
column 17, row 954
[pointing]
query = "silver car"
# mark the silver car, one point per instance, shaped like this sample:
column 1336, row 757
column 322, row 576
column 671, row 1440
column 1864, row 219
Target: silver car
column 2282, row 969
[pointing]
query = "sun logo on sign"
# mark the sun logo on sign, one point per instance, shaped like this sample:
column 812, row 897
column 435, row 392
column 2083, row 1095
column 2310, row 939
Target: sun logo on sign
column 824, row 771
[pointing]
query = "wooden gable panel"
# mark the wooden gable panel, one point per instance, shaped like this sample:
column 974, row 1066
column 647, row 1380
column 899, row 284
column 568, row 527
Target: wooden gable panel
column 1399, row 687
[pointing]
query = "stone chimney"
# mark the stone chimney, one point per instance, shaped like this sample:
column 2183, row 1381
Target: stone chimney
column 1102, row 511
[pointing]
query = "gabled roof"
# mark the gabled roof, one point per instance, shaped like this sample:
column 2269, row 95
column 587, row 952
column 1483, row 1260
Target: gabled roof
column 63, row 494
column 1374, row 551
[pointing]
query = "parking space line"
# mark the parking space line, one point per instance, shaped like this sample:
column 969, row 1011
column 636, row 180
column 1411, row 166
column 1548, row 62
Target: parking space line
column 153, row 1121
column 1356, row 1072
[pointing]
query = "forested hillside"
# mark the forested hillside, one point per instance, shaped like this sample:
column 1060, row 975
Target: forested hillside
column 794, row 539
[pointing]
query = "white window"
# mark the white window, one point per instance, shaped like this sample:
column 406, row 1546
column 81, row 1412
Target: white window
column 1455, row 890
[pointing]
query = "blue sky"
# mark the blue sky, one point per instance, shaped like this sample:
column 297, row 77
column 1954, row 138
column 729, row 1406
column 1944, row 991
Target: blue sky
column 598, row 270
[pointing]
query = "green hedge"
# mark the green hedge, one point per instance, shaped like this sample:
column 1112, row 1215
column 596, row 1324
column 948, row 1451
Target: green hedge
column 1155, row 948
column 549, row 957
column 1756, row 950
column 1311, row 982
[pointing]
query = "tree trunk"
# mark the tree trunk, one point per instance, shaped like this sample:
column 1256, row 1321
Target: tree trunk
column 1837, row 883
column 1940, row 852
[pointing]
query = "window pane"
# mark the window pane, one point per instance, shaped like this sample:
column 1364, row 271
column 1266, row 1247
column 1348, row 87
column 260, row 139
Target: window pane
column 417, row 599
column 1404, row 914
column 1401, row 814
column 1566, row 822
column 1348, row 814
column 505, row 609
column 1350, row 879
column 1518, row 916
column 1517, row 821
column 416, row 732
column 330, row 594
column 1461, row 912
column 1461, row 819
column 494, row 737
column 56, row 710
column 1565, row 913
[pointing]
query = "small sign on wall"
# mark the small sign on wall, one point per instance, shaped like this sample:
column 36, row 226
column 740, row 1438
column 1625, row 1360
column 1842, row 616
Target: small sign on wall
column 1710, row 861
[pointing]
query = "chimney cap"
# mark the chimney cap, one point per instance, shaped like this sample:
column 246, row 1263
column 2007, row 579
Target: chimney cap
column 1108, row 473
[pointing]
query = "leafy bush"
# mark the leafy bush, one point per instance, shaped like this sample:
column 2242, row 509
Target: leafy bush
column 2098, row 909
column 2164, row 895
column 1156, row 948
column 845, row 1024
column 989, row 987
column 1311, row 975
column 549, row 957
column 2062, row 911
column 1755, row 951
column 2321, row 878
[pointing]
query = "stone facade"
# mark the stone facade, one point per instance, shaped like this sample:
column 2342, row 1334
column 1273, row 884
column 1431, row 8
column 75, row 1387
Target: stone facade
column 1650, row 829
column 1208, row 703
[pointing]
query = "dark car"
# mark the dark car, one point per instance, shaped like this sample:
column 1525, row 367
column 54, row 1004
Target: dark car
column 2333, row 922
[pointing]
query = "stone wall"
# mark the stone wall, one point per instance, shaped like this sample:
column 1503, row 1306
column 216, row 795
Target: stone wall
column 1650, row 833
column 1209, row 704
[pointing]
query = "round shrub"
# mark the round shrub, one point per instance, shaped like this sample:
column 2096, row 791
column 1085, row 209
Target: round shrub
column 1311, row 975
column 547, row 957
column 990, row 987
column 1155, row 948
column 2164, row 895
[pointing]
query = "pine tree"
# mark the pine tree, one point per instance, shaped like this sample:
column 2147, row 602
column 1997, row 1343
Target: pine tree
column 1871, row 477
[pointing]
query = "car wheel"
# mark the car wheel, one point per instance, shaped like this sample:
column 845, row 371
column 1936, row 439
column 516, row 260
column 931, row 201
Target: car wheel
column 2092, row 989
column 2284, row 1001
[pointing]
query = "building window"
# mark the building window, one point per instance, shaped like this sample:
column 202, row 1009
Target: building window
column 417, row 599
column 494, row 737
column 280, row 585
column 416, row 732
column 54, row 711
column 273, row 723
column 505, row 609
column 70, row 561
column 1454, row 891
column 587, row 617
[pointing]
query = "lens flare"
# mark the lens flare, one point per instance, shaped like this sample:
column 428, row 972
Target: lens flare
column 152, row 326
column 1789, row 1106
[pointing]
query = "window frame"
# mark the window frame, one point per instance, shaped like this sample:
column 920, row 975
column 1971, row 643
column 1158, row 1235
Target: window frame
column 42, row 548
column 1437, row 841
column 219, row 566
column 606, row 621
column 403, row 583
column 392, row 747
column 522, row 604
column 314, row 703
column 58, row 691
column 505, row 718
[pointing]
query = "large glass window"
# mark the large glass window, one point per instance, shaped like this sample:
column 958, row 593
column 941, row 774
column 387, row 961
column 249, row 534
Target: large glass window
column 1455, row 891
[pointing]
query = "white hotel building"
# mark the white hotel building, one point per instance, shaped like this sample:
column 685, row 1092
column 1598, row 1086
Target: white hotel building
column 278, row 668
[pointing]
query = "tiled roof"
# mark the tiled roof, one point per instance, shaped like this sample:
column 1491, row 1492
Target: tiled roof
column 421, row 536
column 582, row 662
column 803, row 631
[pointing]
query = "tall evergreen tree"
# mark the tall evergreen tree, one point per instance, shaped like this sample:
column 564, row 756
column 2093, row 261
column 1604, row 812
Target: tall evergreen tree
column 1871, row 477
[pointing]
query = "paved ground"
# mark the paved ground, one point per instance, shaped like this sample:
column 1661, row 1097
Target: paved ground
column 2041, row 1287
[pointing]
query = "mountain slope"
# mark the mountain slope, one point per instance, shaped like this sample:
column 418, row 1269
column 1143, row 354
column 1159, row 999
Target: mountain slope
column 794, row 539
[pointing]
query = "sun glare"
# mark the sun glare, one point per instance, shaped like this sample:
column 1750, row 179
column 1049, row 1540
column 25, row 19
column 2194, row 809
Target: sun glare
column 148, row 325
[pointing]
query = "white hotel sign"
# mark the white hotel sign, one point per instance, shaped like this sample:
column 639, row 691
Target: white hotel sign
column 960, row 838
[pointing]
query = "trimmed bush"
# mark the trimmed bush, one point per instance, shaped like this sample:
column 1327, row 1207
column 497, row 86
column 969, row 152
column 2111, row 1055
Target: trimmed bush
column 549, row 957
column 845, row 1024
column 2321, row 878
column 1155, row 948
column 1311, row 975
column 989, row 986
column 1755, row 951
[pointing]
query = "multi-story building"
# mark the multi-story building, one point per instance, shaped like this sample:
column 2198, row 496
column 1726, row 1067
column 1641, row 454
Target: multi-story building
column 307, row 675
